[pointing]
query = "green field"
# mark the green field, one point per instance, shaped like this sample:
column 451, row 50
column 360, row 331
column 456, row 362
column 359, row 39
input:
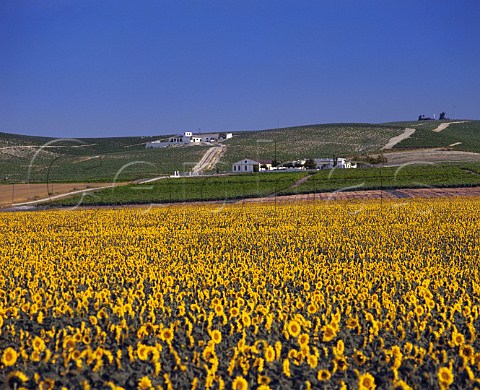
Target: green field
column 467, row 133
column 409, row 176
column 183, row 189
column 232, row 187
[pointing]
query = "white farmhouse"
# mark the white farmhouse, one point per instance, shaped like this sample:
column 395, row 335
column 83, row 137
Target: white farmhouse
column 336, row 162
column 188, row 138
column 248, row 166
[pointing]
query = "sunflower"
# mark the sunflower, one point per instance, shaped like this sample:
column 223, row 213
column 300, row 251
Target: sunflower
column 286, row 368
column 77, row 337
column 269, row 354
column 144, row 383
column 323, row 375
column 366, row 382
column 466, row 352
column 239, row 383
column 340, row 348
column 36, row 356
column 445, row 376
column 312, row 361
column 458, row 339
column 216, row 336
column 303, row 339
column 476, row 359
column 329, row 333
column 9, row 357
column 352, row 323
column 293, row 328
column 16, row 379
column 234, row 311
column 38, row 344
column 311, row 309
column 166, row 334
column 246, row 320
column 208, row 353
column 218, row 309
column 264, row 380
column 401, row 385
column 47, row 384
column 419, row 310
column 341, row 363
column 142, row 352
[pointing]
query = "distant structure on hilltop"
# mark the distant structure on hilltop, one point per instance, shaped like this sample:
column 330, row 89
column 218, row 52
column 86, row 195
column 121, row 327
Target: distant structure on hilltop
column 189, row 138
column 441, row 117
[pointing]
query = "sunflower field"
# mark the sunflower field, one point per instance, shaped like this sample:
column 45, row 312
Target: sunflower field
column 334, row 295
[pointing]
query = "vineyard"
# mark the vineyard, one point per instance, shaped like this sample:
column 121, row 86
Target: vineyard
column 330, row 295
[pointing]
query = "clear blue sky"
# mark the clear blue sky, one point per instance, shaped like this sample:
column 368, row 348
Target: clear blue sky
column 80, row 68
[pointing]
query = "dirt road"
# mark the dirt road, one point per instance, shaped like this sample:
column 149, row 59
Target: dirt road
column 209, row 159
column 395, row 140
column 443, row 126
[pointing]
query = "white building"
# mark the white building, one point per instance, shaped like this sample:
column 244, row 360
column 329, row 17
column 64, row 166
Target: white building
column 337, row 162
column 248, row 166
column 188, row 138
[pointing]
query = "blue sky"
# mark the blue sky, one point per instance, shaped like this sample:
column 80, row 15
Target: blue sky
column 87, row 68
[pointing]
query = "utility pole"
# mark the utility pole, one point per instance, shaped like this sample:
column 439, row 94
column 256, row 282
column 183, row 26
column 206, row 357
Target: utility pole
column 275, row 155
column 454, row 112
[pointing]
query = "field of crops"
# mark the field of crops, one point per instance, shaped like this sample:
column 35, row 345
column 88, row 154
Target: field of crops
column 304, row 295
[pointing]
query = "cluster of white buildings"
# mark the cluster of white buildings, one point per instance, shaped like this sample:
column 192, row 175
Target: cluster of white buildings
column 248, row 165
column 189, row 138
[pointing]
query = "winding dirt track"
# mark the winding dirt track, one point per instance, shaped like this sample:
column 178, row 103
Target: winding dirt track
column 395, row 140
column 209, row 159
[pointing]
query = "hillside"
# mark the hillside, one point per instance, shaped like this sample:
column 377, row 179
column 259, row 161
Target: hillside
column 311, row 141
column 41, row 159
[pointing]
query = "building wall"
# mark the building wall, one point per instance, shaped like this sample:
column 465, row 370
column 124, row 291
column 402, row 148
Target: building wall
column 245, row 166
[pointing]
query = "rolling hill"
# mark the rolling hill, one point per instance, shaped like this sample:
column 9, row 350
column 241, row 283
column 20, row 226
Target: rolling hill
column 42, row 159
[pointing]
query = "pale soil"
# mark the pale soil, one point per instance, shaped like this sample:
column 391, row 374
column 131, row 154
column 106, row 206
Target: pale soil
column 395, row 140
column 370, row 194
column 19, row 193
column 443, row 126
column 433, row 155
column 209, row 159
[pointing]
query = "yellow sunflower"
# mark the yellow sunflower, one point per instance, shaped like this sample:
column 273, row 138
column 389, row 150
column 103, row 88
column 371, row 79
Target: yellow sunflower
column 216, row 336
column 323, row 375
column 401, row 385
column 9, row 357
column 303, row 339
column 366, row 382
column 239, row 383
column 16, row 379
column 466, row 352
column 293, row 328
column 269, row 354
column 38, row 344
column 144, row 383
column 166, row 334
column 445, row 376
column 329, row 333
column 458, row 338
column 142, row 352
